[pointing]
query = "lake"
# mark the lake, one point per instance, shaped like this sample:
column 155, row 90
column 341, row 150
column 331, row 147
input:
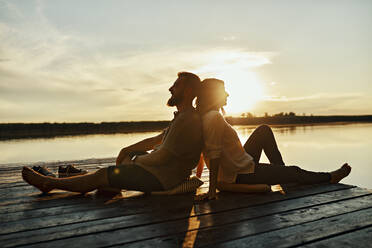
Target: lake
column 312, row 147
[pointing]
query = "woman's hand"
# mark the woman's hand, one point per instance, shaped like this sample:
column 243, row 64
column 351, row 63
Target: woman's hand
column 205, row 196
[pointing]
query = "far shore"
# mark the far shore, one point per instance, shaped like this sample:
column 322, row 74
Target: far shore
column 39, row 130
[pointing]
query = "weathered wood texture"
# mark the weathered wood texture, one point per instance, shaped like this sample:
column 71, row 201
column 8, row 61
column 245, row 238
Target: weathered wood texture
column 328, row 215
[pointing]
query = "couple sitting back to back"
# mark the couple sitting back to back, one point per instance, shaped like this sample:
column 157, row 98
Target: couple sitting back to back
column 176, row 152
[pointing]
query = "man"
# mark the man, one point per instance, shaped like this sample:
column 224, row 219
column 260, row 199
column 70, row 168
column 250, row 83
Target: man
column 176, row 151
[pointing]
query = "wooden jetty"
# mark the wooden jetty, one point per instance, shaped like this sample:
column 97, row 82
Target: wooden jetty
column 327, row 215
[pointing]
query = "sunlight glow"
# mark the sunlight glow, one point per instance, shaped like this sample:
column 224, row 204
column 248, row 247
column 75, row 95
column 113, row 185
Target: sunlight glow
column 244, row 89
column 241, row 81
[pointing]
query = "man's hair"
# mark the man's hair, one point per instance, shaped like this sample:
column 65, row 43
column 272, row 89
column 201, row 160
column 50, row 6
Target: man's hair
column 192, row 81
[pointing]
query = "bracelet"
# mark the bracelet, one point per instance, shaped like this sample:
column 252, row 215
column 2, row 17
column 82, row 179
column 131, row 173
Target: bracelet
column 133, row 158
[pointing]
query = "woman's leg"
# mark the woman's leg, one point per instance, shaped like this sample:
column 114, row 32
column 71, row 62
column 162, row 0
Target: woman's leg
column 263, row 139
column 276, row 174
column 82, row 183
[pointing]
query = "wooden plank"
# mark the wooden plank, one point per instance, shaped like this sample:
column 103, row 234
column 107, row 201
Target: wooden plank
column 144, row 226
column 36, row 201
column 45, row 212
column 81, row 203
column 309, row 232
column 13, row 192
column 148, row 204
column 217, row 234
column 358, row 239
column 87, row 216
column 12, row 184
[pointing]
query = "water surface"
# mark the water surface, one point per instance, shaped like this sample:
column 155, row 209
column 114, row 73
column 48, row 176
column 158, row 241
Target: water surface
column 317, row 147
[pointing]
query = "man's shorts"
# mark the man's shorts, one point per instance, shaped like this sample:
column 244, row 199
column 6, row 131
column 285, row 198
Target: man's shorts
column 132, row 177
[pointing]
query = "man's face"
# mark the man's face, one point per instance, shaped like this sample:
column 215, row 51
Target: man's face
column 177, row 91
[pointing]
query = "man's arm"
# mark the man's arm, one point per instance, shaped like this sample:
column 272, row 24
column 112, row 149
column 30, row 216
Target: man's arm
column 144, row 145
column 244, row 188
column 161, row 156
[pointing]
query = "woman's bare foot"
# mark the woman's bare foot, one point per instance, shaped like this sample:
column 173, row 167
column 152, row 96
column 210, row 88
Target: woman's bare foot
column 339, row 174
column 36, row 179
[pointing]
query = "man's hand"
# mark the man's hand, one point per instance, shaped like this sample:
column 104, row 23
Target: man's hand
column 144, row 145
column 205, row 196
column 123, row 154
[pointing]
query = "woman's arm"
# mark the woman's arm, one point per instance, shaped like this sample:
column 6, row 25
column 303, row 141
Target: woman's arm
column 200, row 167
column 213, row 174
column 244, row 188
column 213, row 134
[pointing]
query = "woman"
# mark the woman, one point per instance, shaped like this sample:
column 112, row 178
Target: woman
column 233, row 166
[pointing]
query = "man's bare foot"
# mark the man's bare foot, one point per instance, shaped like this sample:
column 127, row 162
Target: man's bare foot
column 339, row 174
column 36, row 179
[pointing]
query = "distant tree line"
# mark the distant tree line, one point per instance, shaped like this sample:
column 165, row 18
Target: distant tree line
column 25, row 130
column 292, row 118
column 34, row 130
column 250, row 115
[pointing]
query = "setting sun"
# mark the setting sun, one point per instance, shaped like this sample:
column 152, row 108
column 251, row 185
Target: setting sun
column 244, row 89
column 241, row 82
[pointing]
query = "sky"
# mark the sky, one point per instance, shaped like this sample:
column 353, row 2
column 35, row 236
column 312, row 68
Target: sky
column 96, row 61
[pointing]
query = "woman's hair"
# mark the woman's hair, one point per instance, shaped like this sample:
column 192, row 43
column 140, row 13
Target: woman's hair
column 211, row 95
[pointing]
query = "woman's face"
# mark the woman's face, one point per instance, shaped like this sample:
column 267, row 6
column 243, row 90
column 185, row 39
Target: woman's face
column 225, row 98
column 221, row 95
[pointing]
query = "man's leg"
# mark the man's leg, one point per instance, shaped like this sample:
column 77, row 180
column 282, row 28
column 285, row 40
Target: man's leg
column 82, row 183
column 263, row 139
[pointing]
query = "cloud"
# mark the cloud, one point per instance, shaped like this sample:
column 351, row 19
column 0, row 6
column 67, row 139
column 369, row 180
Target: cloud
column 222, row 60
column 49, row 73
column 58, row 76
column 229, row 38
